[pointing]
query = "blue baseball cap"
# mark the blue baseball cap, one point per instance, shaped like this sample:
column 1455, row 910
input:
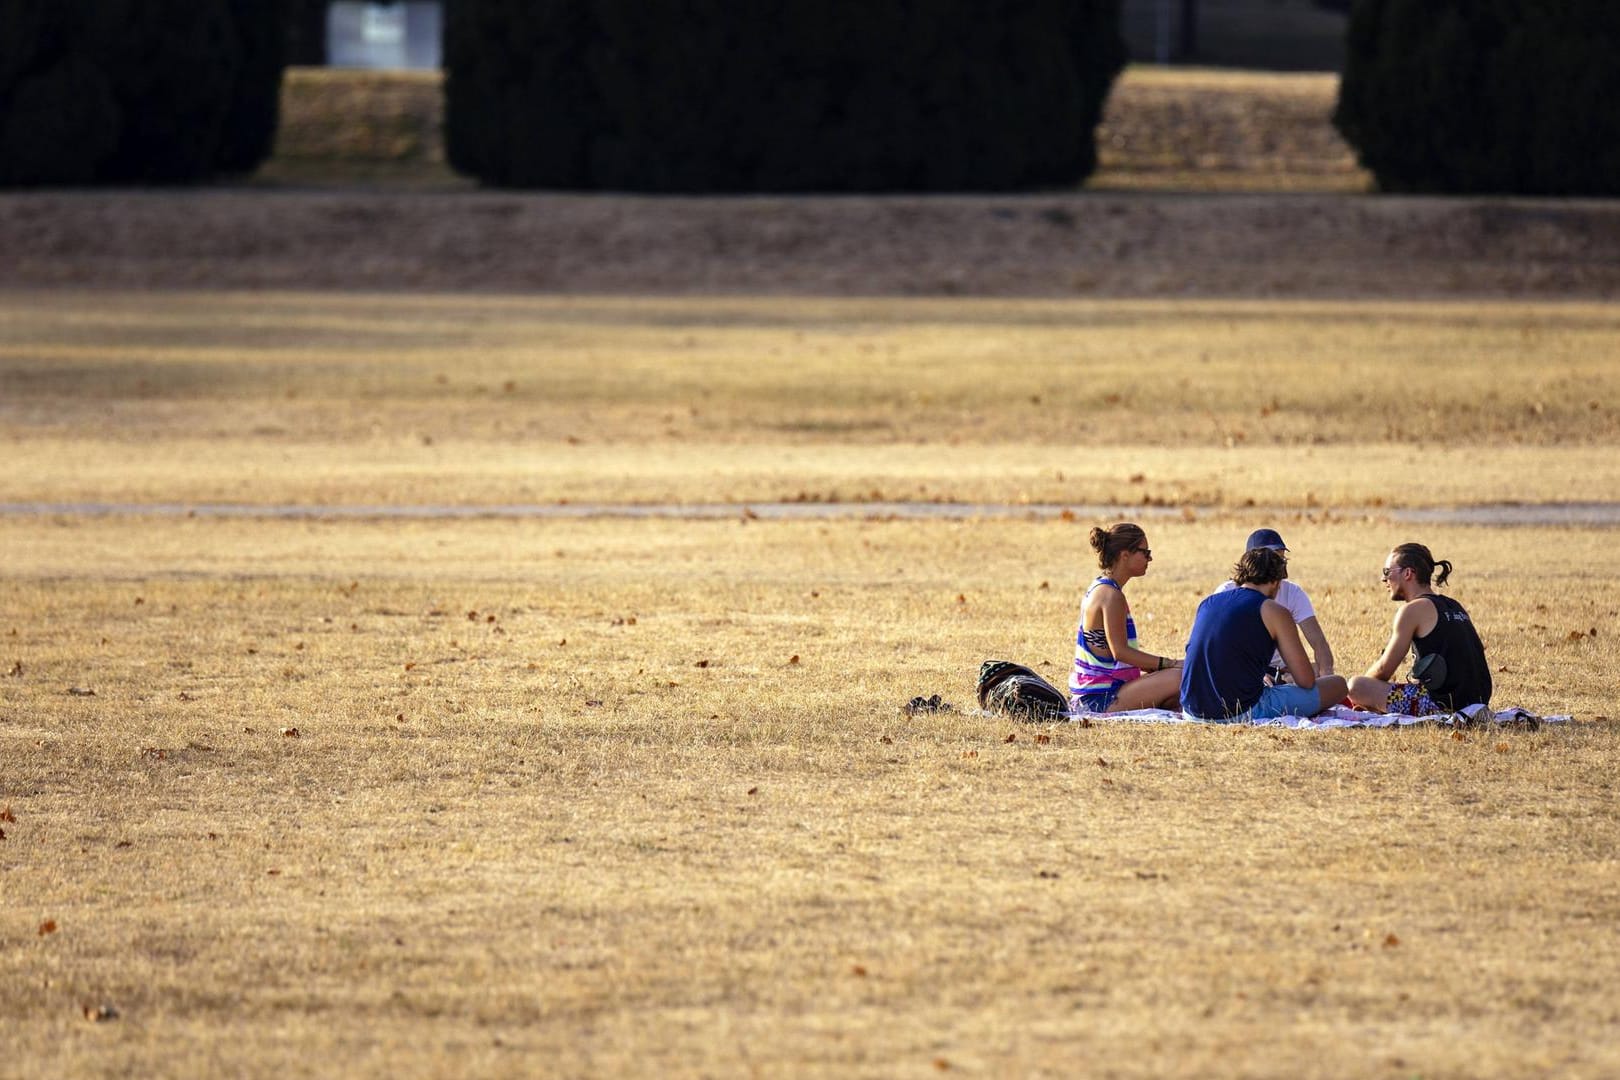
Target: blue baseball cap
column 1265, row 538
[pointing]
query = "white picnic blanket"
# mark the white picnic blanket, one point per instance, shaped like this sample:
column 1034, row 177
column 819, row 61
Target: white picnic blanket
column 1337, row 717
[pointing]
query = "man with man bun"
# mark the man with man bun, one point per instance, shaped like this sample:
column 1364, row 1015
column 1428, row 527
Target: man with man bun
column 1450, row 672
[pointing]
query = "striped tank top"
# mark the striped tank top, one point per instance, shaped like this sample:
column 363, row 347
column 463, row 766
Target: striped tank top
column 1094, row 667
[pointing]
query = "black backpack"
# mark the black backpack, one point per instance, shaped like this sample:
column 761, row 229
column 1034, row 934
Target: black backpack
column 1014, row 689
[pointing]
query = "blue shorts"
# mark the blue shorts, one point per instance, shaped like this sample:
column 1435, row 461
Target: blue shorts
column 1097, row 700
column 1286, row 700
column 1275, row 701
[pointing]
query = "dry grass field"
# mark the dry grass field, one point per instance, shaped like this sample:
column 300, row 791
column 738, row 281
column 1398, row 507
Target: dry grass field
column 1341, row 407
column 354, row 792
column 518, row 796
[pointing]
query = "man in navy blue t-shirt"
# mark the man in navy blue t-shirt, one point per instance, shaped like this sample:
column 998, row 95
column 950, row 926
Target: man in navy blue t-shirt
column 1233, row 637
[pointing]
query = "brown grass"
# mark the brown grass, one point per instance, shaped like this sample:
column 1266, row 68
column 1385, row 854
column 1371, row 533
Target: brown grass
column 601, row 797
column 610, row 797
column 182, row 397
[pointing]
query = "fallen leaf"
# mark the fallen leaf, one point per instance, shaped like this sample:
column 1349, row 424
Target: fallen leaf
column 1011, row 737
column 857, row 970
column 290, row 732
column 1046, row 585
column 960, row 599
column 47, row 927
column 1067, row 515
column 1390, row 941
column 753, row 791
column 410, row 664
column 942, row 1065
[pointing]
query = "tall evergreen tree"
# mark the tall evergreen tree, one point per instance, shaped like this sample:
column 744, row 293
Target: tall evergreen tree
column 778, row 95
column 1475, row 96
column 137, row 91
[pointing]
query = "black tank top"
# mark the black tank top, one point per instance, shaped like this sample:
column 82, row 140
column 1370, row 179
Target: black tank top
column 1468, row 676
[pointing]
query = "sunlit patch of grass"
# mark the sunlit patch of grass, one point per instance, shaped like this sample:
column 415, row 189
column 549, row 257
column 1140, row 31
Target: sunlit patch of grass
column 612, row 796
column 609, row 793
column 368, row 399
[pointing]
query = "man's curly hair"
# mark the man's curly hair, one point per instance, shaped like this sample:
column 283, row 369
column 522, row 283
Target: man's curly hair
column 1260, row 566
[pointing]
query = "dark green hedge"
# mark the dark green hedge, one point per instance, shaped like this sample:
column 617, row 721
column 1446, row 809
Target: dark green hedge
column 1480, row 96
column 137, row 91
column 778, row 95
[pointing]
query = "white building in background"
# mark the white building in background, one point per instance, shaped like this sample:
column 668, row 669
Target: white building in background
column 406, row 34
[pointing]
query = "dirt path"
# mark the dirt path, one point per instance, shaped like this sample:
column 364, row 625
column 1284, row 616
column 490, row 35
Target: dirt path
column 1085, row 244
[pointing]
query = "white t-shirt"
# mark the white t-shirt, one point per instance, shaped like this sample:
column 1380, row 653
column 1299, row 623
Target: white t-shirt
column 1290, row 596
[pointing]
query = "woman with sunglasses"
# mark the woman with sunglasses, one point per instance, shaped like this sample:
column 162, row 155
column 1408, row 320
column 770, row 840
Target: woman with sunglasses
column 1111, row 671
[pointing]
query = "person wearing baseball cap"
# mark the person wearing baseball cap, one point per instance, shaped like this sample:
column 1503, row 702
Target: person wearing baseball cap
column 1299, row 605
